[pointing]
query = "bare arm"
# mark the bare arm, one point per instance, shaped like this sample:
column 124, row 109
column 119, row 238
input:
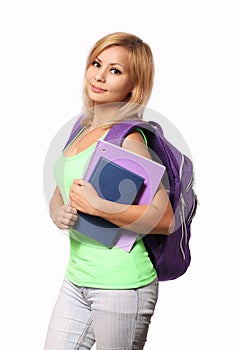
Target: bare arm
column 64, row 216
column 156, row 217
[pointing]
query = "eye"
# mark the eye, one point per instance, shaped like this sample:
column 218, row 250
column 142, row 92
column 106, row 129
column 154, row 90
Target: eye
column 96, row 64
column 115, row 71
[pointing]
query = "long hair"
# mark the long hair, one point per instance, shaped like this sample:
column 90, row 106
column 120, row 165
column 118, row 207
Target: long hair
column 141, row 66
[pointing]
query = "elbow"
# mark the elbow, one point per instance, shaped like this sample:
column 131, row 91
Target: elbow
column 171, row 225
column 167, row 227
column 169, row 221
column 166, row 223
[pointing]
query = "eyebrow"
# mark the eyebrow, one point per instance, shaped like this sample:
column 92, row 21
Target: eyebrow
column 112, row 64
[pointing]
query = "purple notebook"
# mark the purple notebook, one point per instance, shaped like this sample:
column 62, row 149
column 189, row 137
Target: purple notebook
column 151, row 171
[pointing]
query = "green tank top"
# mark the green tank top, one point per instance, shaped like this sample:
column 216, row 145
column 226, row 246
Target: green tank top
column 92, row 264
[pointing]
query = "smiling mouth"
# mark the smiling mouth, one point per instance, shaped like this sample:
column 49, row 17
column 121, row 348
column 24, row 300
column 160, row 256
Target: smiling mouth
column 97, row 89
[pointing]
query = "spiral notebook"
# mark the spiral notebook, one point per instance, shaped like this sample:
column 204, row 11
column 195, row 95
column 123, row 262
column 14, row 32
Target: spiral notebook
column 147, row 169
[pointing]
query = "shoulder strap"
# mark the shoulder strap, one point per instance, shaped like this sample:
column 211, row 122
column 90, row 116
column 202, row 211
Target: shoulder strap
column 119, row 131
column 76, row 129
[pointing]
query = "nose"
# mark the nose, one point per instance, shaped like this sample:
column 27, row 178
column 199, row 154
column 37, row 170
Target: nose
column 100, row 76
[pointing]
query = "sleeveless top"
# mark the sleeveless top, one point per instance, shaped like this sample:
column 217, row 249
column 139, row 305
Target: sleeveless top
column 92, row 264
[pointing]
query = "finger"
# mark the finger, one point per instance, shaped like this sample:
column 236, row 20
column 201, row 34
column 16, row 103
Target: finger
column 72, row 222
column 73, row 218
column 63, row 227
column 75, row 189
column 67, row 222
column 73, row 211
column 70, row 209
column 79, row 182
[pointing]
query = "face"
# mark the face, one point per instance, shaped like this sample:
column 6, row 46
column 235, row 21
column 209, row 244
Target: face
column 108, row 78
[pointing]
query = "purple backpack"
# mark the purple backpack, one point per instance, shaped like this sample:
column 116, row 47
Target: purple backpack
column 170, row 255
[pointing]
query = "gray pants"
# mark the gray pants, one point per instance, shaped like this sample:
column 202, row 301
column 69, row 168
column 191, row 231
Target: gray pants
column 115, row 319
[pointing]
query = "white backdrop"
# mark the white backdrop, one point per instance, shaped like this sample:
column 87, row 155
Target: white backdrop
column 44, row 46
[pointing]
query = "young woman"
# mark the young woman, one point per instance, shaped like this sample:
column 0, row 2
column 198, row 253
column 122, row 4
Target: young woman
column 108, row 295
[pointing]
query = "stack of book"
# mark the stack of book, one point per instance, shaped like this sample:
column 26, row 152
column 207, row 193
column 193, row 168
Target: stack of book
column 121, row 176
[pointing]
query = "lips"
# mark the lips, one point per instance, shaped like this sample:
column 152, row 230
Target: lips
column 97, row 89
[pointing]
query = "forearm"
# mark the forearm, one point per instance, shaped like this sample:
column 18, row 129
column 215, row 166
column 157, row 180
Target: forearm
column 139, row 218
column 55, row 202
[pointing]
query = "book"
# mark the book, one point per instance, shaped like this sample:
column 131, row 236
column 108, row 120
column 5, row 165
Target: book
column 114, row 183
column 151, row 171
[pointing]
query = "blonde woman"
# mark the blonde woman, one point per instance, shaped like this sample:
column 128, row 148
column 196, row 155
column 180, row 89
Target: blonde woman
column 108, row 296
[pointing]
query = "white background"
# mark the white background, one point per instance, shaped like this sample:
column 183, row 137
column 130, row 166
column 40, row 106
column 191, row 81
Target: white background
column 43, row 51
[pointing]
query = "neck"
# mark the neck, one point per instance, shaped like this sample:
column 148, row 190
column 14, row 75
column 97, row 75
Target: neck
column 104, row 114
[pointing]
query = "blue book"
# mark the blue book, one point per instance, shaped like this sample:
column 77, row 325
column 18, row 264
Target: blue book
column 115, row 183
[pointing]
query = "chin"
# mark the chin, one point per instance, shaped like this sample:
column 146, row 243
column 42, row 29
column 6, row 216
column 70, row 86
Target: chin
column 99, row 101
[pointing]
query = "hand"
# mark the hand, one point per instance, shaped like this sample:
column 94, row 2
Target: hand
column 84, row 197
column 64, row 216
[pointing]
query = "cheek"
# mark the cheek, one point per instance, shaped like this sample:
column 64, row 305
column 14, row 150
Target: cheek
column 126, row 87
column 88, row 74
column 121, row 85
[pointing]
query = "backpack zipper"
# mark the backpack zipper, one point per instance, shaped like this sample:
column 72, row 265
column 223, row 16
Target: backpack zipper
column 193, row 210
column 182, row 213
column 191, row 181
column 183, row 225
column 181, row 240
column 181, row 168
column 190, row 184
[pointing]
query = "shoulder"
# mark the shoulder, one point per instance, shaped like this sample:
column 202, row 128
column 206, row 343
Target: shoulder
column 135, row 135
column 135, row 142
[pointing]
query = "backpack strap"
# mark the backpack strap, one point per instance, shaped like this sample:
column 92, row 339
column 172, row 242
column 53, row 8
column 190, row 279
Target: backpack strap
column 118, row 132
column 76, row 129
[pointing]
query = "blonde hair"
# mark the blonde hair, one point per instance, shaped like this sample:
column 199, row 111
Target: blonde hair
column 142, row 72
